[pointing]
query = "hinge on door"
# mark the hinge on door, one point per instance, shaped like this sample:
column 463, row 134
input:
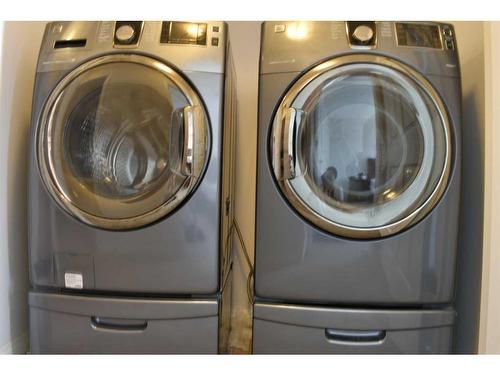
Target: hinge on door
column 228, row 204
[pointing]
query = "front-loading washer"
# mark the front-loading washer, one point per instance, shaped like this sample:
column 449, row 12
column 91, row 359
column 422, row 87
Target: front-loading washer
column 130, row 187
column 358, row 187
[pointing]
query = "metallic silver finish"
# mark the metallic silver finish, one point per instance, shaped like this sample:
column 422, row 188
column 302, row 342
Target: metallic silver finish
column 195, row 161
column 325, row 39
column 121, row 325
column 300, row 329
column 177, row 259
column 297, row 262
column 281, row 146
column 137, row 260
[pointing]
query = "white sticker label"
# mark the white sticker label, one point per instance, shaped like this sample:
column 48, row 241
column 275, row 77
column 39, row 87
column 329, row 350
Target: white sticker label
column 279, row 28
column 73, row 280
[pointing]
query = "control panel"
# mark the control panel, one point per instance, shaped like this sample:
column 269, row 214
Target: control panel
column 192, row 45
column 362, row 34
column 131, row 34
column 425, row 35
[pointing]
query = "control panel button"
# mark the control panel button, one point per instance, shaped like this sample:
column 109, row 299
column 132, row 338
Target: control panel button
column 363, row 33
column 215, row 29
column 215, row 41
column 125, row 33
column 447, row 31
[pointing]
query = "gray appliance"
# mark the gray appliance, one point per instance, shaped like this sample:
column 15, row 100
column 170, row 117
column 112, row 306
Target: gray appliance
column 130, row 188
column 358, row 187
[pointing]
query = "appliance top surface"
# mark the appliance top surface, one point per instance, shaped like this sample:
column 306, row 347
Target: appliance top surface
column 294, row 46
column 189, row 46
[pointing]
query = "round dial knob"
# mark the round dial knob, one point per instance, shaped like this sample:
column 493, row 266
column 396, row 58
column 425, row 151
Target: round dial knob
column 363, row 33
column 125, row 33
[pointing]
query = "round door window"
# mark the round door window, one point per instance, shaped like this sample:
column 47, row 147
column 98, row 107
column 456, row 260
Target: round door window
column 123, row 141
column 361, row 146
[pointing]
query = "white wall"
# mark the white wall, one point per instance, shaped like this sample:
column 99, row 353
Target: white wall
column 468, row 287
column 489, row 340
column 18, row 53
column 245, row 41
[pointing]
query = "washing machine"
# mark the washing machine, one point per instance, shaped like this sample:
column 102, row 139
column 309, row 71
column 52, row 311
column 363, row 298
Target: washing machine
column 358, row 187
column 130, row 192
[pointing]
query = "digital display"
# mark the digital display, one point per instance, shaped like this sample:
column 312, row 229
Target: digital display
column 183, row 33
column 418, row 35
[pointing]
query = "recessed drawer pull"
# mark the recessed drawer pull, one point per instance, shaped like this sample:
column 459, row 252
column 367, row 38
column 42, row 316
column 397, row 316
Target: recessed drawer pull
column 354, row 336
column 126, row 325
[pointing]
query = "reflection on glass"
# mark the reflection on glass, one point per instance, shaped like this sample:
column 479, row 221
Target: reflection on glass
column 117, row 141
column 370, row 146
column 362, row 142
column 119, row 131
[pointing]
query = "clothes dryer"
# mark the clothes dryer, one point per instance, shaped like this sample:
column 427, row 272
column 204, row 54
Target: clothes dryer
column 358, row 183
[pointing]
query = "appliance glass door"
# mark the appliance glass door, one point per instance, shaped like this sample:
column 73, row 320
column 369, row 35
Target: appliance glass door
column 361, row 147
column 123, row 141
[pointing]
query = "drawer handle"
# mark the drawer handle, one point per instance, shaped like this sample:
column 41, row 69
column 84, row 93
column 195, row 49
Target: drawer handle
column 354, row 336
column 126, row 325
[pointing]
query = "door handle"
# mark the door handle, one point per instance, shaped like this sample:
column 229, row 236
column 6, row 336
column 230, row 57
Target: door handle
column 354, row 336
column 189, row 114
column 288, row 158
column 113, row 324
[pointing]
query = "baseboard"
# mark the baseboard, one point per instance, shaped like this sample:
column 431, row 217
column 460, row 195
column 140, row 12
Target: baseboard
column 17, row 346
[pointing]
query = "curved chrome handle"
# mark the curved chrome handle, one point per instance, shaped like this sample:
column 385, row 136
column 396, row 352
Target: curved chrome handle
column 288, row 158
column 119, row 325
column 188, row 141
column 354, row 336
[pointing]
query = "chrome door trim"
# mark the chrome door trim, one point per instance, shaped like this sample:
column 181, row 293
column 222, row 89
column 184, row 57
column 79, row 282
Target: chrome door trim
column 277, row 149
column 199, row 144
